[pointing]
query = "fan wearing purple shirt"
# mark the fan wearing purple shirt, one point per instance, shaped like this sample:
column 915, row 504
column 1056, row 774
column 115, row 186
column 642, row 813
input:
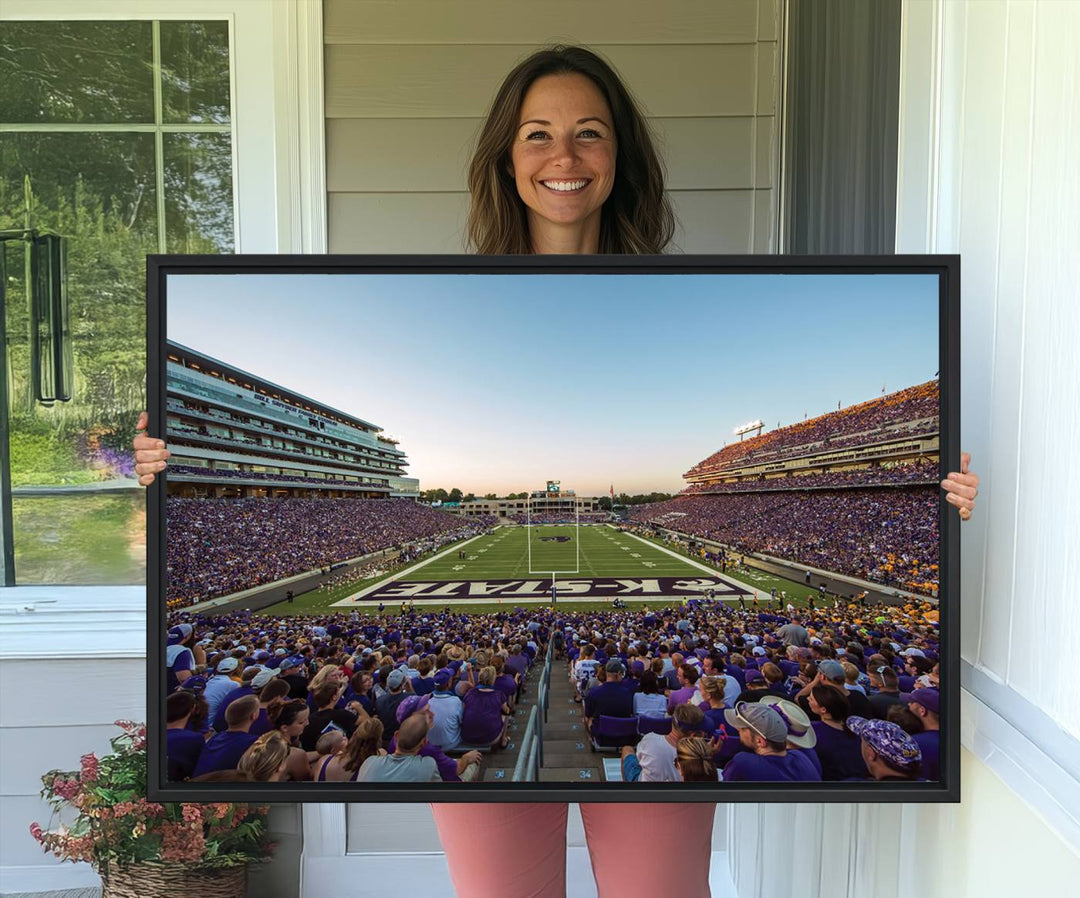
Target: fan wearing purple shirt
column 182, row 746
column 464, row 769
column 224, row 751
column 687, row 677
column 831, row 673
column 611, row 698
column 482, row 716
column 925, row 704
column 886, row 685
column 423, row 684
column 801, row 738
column 756, row 689
column 505, row 681
column 517, row 663
column 838, row 749
column 762, row 730
column 889, row 752
column 711, row 700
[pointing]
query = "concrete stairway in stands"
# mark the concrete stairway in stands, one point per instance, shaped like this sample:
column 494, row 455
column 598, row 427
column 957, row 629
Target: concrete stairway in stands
column 567, row 756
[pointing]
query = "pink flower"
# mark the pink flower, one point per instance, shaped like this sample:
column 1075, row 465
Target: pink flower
column 37, row 832
column 65, row 788
column 89, row 767
column 192, row 813
column 181, row 842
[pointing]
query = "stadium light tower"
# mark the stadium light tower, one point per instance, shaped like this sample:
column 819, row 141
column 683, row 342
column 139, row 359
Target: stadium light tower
column 753, row 427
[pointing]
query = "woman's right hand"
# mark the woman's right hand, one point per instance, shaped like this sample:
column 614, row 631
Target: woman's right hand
column 150, row 453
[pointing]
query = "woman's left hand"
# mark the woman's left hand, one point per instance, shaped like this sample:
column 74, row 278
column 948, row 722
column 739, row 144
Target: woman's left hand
column 962, row 487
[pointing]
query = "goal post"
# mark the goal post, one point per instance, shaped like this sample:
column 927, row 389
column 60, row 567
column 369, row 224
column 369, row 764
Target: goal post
column 536, row 565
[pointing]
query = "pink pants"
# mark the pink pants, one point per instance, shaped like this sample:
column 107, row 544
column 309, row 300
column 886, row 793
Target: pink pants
column 495, row 850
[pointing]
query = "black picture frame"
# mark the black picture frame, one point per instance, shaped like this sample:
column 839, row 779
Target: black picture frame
column 945, row 267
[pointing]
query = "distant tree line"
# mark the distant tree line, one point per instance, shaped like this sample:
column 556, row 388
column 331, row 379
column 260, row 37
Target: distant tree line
column 455, row 495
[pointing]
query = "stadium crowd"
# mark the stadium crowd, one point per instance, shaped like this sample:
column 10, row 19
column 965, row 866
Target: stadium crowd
column 888, row 535
column 846, row 693
column 342, row 690
column 901, row 413
column 923, row 472
column 220, row 546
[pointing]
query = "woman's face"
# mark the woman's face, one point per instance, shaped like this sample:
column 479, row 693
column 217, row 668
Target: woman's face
column 298, row 726
column 563, row 154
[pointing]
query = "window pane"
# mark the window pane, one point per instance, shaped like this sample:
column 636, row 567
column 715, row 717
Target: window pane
column 195, row 72
column 81, row 540
column 78, row 512
column 198, row 193
column 76, row 72
column 98, row 191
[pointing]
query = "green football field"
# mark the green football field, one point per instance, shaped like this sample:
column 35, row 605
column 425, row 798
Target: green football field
column 598, row 551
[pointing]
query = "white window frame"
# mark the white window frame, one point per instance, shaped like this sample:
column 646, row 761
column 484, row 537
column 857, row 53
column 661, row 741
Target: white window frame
column 279, row 197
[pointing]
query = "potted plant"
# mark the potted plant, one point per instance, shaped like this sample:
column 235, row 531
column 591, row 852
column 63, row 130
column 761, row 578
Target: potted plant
column 142, row 848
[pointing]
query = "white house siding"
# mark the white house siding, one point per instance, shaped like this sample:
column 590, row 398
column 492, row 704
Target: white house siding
column 408, row 83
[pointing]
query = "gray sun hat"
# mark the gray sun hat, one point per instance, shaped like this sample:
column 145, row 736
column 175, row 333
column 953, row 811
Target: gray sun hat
column 760, row 719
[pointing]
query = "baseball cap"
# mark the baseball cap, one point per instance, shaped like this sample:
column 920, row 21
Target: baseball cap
column 396, row 679
column 411, row 705
column 196, row 683
column 799, row 731
column 637, row 666
column 614, row 666
column 833, row 670
column 753, row 675
column 179, row 633
column 263, row 677
column 758, row 650
column 762, row 719
column 442, row 677
column 291, row 662
column 928, row 698
column 227, row 664
column 888, row 740
column 919, row 653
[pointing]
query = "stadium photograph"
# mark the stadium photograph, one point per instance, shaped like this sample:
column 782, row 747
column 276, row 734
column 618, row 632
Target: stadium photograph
column 565, row 530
